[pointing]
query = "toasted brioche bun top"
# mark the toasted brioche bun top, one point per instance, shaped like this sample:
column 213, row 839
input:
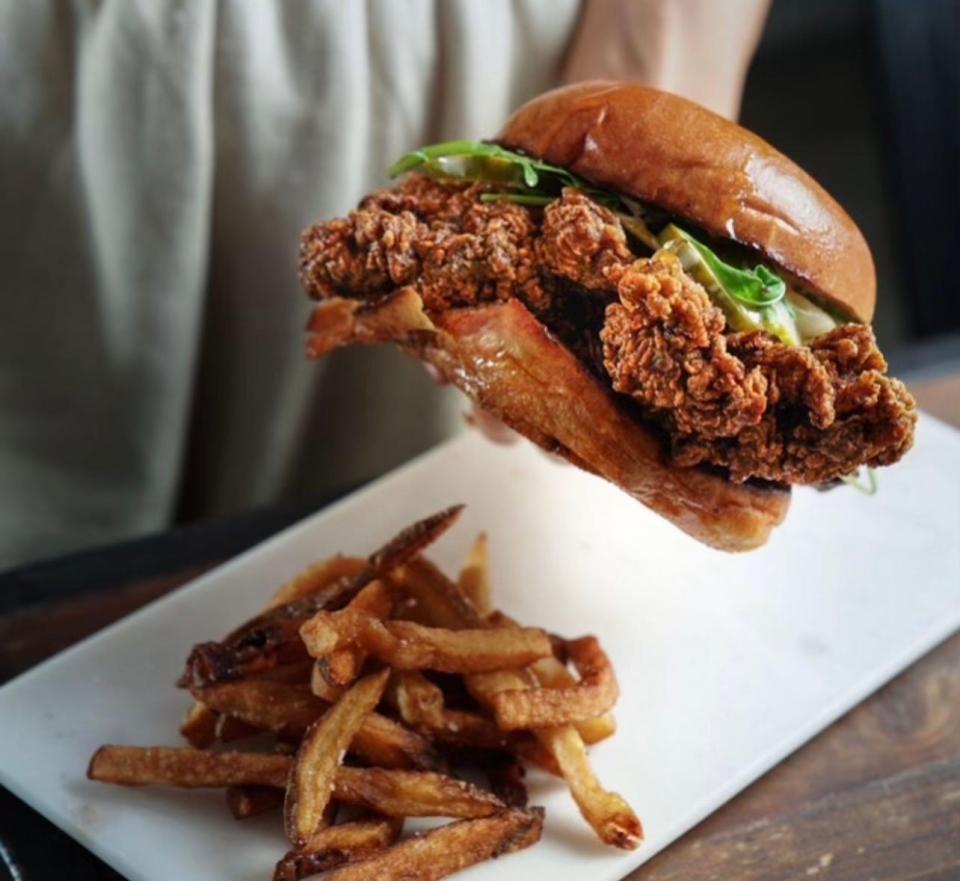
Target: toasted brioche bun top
column 696, row 165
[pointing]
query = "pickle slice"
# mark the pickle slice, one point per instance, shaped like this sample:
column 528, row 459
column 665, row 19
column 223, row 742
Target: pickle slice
column 776, row 319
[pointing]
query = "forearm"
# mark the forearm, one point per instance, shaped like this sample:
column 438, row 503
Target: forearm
column 696, row 48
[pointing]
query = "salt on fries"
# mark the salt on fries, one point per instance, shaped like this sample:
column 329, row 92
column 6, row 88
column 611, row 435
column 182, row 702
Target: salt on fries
column 373, row 677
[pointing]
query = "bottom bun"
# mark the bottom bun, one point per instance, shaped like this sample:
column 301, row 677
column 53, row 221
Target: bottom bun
column 509, row 364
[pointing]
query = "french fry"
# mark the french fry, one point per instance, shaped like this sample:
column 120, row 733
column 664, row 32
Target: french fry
column 253, row 778
column 271, row 638
column 268, row 706
column 211, row 663
column 413, row 793
column 406, row 645
column 447, row 849
column 609, row 815
column 320, row 681
column 373, row 601
column 474, row 580
column 186, row 767
column 594, row 695
column 551, row 673
column 323, row 748
column 342, row 666
column 411, row 541
column 607, row 812
column 335, row 845
column 383, row 742
column 290, row 709
column 437, row 600
column 249, row 801
column 418, row 700
column 317, row 578
column 420, row 703
column 199, row 726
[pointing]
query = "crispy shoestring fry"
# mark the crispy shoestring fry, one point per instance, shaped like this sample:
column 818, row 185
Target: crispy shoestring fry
column 384, row 742
column 551, row 673
column 413, row 793
column 320, row 681
column 474, row 578
column 320, row 754
column 316, row 578
column 437, row 600
column 341, row 666
column 411, row 541
column 607, row 812
column 272, row 637
column 199, row 725
column 253, row 781
column 449, row 848
column 406, row 645
column 187, row 767
column 268, row 706
column 420, row 703
column 594, row 695
column 335, row 845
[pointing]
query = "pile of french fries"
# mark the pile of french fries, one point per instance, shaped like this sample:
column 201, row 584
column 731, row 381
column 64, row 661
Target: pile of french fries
column 373, row 679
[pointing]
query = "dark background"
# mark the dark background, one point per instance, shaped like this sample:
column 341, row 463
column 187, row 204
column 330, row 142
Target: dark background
column 864, row 95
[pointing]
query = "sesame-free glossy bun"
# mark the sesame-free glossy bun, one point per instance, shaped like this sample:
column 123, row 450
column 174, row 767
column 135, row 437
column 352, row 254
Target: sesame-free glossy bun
column 698, row 166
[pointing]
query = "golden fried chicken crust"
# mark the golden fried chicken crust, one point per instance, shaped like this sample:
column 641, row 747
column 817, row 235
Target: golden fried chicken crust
column 747, row 402
column 744, row 403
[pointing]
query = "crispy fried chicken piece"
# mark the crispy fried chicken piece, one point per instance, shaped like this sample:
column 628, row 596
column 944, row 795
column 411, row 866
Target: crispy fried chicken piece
column 747, row 402
column 832, row 408
column 664, row 346
column 485, row 254
column 458, row 250
column 742, row 402
column 582, row 241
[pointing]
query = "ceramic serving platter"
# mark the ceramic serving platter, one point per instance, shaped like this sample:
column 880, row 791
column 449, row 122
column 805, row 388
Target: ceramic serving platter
column 726, row 663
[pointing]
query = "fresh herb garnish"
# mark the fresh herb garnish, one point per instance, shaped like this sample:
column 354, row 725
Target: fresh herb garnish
column 532, row 169
column 869, row 488
column 757, row 287
column 535, row 175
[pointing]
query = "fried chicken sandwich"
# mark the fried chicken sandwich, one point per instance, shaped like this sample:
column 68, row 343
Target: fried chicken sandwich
column 639, row 285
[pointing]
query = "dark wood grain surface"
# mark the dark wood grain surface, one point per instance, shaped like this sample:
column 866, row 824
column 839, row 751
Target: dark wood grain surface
column 875, row 797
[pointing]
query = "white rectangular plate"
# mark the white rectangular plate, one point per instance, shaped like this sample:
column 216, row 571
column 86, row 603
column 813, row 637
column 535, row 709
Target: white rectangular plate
column 727, row 663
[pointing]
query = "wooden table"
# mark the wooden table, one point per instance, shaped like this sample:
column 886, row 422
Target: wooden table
column 875, row 797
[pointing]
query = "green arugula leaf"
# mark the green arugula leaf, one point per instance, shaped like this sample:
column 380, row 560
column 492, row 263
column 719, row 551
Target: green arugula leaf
column 757, row 287
column 537, row 175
